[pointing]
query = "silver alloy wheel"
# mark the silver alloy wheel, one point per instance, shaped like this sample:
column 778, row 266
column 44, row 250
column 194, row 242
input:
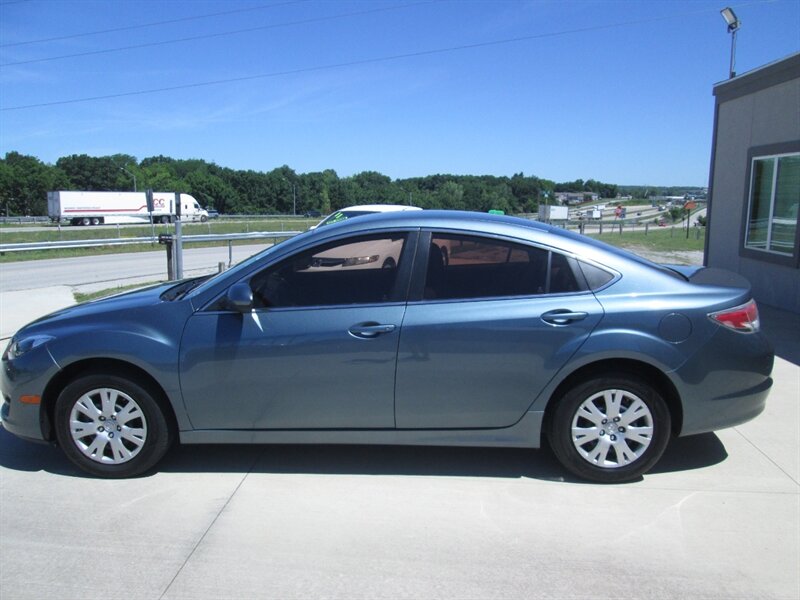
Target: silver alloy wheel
column 108, row 426
column 612, row 428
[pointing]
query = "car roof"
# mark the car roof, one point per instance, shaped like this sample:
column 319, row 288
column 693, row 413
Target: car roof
column 486, row 223
column 379, row 208
column 449, row 219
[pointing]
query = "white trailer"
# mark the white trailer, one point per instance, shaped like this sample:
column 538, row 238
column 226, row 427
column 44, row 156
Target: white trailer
column 97, row 208
column 549, row 213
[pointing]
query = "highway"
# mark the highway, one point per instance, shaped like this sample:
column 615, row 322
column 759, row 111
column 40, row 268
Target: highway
column 110, row 270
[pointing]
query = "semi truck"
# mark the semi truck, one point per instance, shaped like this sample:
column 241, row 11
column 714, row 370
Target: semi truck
column 98, row 208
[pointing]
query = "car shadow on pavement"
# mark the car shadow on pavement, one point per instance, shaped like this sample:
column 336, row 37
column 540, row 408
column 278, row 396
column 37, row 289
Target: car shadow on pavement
column 692, row 452
column 682, row 454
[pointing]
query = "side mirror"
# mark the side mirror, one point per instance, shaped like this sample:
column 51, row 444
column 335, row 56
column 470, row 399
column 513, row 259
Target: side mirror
column 240, row 297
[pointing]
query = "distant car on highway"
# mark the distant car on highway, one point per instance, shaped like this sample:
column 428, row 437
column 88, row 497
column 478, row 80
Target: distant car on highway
column 520, row 334
column 212, row 214
column 364, row 209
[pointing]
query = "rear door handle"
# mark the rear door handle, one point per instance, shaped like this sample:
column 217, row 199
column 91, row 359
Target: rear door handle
column 370, row 330
column 562, row 316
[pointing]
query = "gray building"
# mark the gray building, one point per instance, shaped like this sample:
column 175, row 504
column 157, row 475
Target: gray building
column 576, row 197
column 754, row 184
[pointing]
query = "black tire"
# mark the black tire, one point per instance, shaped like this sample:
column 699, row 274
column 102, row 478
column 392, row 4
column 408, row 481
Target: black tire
column 619, row 448
column 203, row 218
column 138, row 425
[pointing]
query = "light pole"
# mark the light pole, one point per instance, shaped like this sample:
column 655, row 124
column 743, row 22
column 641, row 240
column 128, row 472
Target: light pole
column 132, row 175
column 733, row 26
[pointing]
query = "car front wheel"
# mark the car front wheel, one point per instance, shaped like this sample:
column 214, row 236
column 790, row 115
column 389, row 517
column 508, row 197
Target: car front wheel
column 110, row 426
column 610, row 429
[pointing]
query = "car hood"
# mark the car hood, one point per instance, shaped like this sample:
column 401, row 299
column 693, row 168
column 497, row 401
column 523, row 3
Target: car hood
column 121, row 302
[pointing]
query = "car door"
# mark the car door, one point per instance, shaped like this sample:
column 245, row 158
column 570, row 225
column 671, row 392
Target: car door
column 318, row 350
column 486, row 328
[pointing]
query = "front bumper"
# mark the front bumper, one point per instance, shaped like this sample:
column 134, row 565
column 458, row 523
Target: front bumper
column 22, row 381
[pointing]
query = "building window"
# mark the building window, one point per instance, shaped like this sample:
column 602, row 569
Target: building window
column 773, row 206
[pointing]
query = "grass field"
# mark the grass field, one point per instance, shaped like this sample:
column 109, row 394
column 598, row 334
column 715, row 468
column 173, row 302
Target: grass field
column 82, row 297
column 661, row 239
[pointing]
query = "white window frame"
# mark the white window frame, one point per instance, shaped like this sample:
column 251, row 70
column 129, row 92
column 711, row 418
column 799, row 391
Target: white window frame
column 766, row 249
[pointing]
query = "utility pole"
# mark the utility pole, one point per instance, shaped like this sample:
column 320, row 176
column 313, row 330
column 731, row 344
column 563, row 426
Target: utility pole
column 132, row 175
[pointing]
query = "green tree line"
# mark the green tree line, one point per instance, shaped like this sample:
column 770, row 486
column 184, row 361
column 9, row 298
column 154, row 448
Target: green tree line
column 25, row 181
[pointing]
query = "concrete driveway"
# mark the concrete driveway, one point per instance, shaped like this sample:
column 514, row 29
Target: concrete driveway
column 718, row 518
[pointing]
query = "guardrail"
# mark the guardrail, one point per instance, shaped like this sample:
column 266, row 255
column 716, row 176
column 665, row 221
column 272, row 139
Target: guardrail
column 21, row 220
column 213, row 237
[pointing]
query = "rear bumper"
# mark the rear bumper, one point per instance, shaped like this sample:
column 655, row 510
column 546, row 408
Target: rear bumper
column 726, row 383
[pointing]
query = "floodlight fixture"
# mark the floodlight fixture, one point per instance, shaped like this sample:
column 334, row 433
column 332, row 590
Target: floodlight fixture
column 730, row 19
column 733, row 26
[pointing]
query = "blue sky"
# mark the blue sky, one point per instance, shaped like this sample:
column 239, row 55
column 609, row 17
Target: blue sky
column 615, row 91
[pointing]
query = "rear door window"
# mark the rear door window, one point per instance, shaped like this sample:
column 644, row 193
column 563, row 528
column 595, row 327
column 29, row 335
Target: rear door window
column 474, row 267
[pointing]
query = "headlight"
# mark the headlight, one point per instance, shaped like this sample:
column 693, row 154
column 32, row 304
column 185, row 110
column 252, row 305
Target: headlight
column 18, row 347
column 360, row 260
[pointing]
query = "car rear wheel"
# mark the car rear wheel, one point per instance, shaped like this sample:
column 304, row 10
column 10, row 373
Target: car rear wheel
column 610, row 429
column 110, row 426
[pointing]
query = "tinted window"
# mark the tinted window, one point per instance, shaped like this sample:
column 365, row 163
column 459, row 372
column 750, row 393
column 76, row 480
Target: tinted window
column 562, row 274
column 356, row 271
column 595, row 276
column 472, row 267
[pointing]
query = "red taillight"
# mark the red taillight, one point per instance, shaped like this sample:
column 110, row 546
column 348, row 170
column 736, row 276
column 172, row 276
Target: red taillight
column 742, row 318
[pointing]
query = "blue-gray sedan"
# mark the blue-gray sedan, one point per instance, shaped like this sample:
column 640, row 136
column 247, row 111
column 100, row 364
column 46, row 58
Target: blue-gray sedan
column 420, row 327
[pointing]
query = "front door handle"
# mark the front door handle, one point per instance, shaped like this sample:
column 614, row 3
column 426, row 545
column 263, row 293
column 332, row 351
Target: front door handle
column 562, row 316
column 370, row 330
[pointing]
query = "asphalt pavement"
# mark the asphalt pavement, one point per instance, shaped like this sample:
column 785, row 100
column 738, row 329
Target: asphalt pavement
column 108, row 270
column 718, row 518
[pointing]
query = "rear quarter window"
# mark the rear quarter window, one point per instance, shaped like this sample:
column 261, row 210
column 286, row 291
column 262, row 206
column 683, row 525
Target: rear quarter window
column 595, row 276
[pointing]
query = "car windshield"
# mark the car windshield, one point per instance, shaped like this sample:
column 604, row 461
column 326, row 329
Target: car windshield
column 343, row 215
